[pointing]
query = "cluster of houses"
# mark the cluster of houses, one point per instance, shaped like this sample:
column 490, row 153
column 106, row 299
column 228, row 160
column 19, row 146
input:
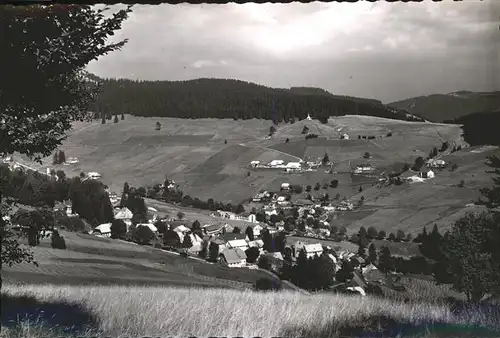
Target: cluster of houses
column 245, row 216
column 417, row 176
column 278, row 164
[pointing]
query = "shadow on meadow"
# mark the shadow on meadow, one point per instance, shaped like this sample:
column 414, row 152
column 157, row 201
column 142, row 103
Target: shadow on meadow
column 384, row 326
column 59, row 315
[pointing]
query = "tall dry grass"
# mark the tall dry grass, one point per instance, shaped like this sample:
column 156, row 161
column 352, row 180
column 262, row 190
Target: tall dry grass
column 170, row 312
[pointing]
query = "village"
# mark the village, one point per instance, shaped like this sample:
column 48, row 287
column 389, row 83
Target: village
column 248, row 239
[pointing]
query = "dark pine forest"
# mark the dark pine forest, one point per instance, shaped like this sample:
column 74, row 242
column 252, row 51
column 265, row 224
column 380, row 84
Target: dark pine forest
column 221, row 98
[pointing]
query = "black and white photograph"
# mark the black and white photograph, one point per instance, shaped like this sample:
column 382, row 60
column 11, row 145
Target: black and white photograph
column 272, row 170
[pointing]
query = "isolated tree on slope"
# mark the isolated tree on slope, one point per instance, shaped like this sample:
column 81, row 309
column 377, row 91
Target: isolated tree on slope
column 249, row 233
column 118, row 228
column 326, row 159
column 36, row 115
column 385, row 261
column 471, row 262
column 116, row 119
column 187, row 242
column 372, row 254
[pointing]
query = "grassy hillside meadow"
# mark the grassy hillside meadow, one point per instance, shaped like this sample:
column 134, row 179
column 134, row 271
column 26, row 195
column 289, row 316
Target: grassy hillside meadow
column 90, row 260
column 439, row 201
column 121, row 311
column 195, row 155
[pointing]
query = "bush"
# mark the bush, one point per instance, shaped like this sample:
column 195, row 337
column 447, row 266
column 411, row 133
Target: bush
column 118, row 228
column 143, row 235
column 266, row 284
column 57, row 241
column 252, row 254
column 310, row 136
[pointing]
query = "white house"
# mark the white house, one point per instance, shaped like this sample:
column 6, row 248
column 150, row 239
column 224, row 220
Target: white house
column 293, row 165
column 103, row 230
column 311, row 249
column 258, row 243
column 252, row 218
column 124, row 214
column 237, row 243
column 344, row 136
column 254, row 163
column 285, row 186
column 181, row 229
column 426, row 173
column 281, row 199
column 257, row 230
column 436, row 163
column 72, row 160
column 234, row 257
column 308, row 118
column 275, row 163
column 93, row 175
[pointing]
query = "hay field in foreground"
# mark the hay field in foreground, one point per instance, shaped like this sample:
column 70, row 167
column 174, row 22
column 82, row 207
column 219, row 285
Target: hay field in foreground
column 167, row 312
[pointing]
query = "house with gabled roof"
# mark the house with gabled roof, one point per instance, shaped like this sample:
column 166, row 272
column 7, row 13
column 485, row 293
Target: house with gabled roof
column 231, row 237
column 103, row 230
column 238, row 243
column 258, row 243
column 311, row 249
column 124, row 214
column 213, row 229
column 234, row 257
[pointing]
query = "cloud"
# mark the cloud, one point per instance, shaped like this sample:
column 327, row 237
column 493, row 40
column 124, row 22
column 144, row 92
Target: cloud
column 388, row 51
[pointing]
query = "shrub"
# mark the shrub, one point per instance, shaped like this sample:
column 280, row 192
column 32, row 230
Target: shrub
column 310, row 136
column 143, row 235
column 252, row 254
column 118, row 228
column 266, row 284
column 57, row 241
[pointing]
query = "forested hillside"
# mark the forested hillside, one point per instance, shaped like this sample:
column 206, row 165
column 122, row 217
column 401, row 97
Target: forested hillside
column 443, row 107
column 221, row 98
column 481, row 128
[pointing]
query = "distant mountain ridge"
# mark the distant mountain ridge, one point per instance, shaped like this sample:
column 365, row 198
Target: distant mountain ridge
column 236, row 99
column 446, row 107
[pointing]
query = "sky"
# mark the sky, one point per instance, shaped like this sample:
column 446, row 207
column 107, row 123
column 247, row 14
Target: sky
column 386, row 51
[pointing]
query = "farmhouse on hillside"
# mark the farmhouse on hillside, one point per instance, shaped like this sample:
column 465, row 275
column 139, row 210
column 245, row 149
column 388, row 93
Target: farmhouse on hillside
column 254, row 164
column 237, row 243
column 311, row 249
column 213, row 229
column 258, row 243
column 103, row 230
column 234, row 257
column 219, row 242
column 257, row 230
column 426, row 173
column 344, row 136
column 93, row 175
column 293, row 165
column 436, row 163
column 275, row 163
column 124, row 214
